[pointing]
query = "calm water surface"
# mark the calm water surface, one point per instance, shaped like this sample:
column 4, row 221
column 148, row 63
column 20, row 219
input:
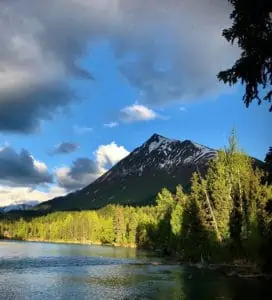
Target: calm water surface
column 62, row 271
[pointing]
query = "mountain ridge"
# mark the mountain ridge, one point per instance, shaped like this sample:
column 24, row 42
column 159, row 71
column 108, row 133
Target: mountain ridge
column 21, row 206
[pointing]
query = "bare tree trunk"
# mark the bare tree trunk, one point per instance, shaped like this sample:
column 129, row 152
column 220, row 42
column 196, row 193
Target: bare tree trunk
column 218, row 235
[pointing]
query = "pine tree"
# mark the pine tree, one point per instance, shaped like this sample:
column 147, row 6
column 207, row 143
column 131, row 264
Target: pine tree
column 268, row 163
column 165, row 203
column 180, row 196
column 207, row 210
column 219, row 190
column 119, row 225
column 132, row 227
column 165, row 206
column 177, row 212
column 268, row 157
column 176, row 219
column 252, row 30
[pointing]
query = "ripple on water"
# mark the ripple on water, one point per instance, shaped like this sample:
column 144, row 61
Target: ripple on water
column 54, row 271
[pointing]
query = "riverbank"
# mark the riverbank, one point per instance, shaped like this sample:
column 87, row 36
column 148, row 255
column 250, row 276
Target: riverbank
column 82, row 242
column 235, row 269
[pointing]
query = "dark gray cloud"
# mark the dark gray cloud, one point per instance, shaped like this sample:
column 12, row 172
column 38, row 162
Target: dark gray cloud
column 177, row 48
column 65, row 148
column 17, row 169
column 22, row 110
column 82, row 173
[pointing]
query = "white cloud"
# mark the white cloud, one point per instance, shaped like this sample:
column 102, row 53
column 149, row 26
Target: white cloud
column 137, row 113
column 40, row 166
column 111, row 124
column 84, row 170
column 109, row 155
column 18, row 195
column 183, row 108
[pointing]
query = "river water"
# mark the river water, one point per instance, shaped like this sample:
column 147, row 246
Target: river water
column 64, row 271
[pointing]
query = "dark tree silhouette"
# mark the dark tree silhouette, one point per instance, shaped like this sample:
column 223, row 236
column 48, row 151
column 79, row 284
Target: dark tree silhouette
column 268, row 178
column 252, row 30
column 268, row 157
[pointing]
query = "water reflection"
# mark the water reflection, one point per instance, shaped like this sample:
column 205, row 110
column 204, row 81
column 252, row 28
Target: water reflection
column 58, row 271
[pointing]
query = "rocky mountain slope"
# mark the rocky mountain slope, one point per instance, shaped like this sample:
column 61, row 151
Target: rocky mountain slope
column 136, row 179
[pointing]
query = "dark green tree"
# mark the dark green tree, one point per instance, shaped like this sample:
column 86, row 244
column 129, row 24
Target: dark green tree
column 196, row 228
column 268, row 163
column 268, row 157
column 252, row 30
column 119, row 225
column 132, row 227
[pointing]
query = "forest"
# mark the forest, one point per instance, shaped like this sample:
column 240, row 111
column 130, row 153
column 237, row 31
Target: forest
column 226, row 216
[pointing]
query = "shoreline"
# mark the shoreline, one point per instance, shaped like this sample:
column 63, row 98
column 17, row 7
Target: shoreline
column 72, row 242
column 240, row 270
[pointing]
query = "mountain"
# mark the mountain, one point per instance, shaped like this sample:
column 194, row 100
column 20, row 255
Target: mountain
column 15, row 207
column 136, row 179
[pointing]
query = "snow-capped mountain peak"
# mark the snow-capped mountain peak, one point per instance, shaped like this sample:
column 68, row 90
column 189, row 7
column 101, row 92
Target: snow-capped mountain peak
column 136, row 179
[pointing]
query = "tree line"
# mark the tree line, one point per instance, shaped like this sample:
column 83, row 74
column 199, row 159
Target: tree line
column 227, row 215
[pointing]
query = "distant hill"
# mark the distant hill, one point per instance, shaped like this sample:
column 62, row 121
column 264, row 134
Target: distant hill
column 136, row 179
column 18, row 207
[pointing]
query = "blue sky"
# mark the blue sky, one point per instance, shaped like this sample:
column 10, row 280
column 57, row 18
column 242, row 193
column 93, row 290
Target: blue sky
column 136, row 90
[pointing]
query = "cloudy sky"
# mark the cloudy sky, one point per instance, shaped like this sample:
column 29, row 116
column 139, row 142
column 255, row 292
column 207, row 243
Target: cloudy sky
column 84, row 82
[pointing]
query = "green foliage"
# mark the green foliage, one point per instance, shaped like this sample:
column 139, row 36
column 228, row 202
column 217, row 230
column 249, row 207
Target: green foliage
column 176, row 218
column 119, row 225
column 252, row 30
column 165, row 203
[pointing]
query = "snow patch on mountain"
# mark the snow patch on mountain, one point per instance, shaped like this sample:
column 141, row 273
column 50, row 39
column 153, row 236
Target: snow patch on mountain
column 164, row 154
column 159, row 158
column 21, row 206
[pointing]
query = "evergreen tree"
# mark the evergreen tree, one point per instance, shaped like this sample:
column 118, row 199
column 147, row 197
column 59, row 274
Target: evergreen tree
column 268, row 157
column 132, row 227
column 176, row 219
column 252, row 30
column 219, row 190
column 268, row 162
column 165, row 203
column 177, row 212
column 194, row 235
column 119, row 225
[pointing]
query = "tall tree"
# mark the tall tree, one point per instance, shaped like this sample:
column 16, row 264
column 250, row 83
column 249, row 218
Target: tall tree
column 268, row 157
column 177, row 213
column 219, row 190
column 197, row 224
column 165, row 203
column 252, row 30
column 119, row 225
column 268, row 162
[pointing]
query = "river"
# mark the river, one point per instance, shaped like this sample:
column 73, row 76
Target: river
column 64, row 271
